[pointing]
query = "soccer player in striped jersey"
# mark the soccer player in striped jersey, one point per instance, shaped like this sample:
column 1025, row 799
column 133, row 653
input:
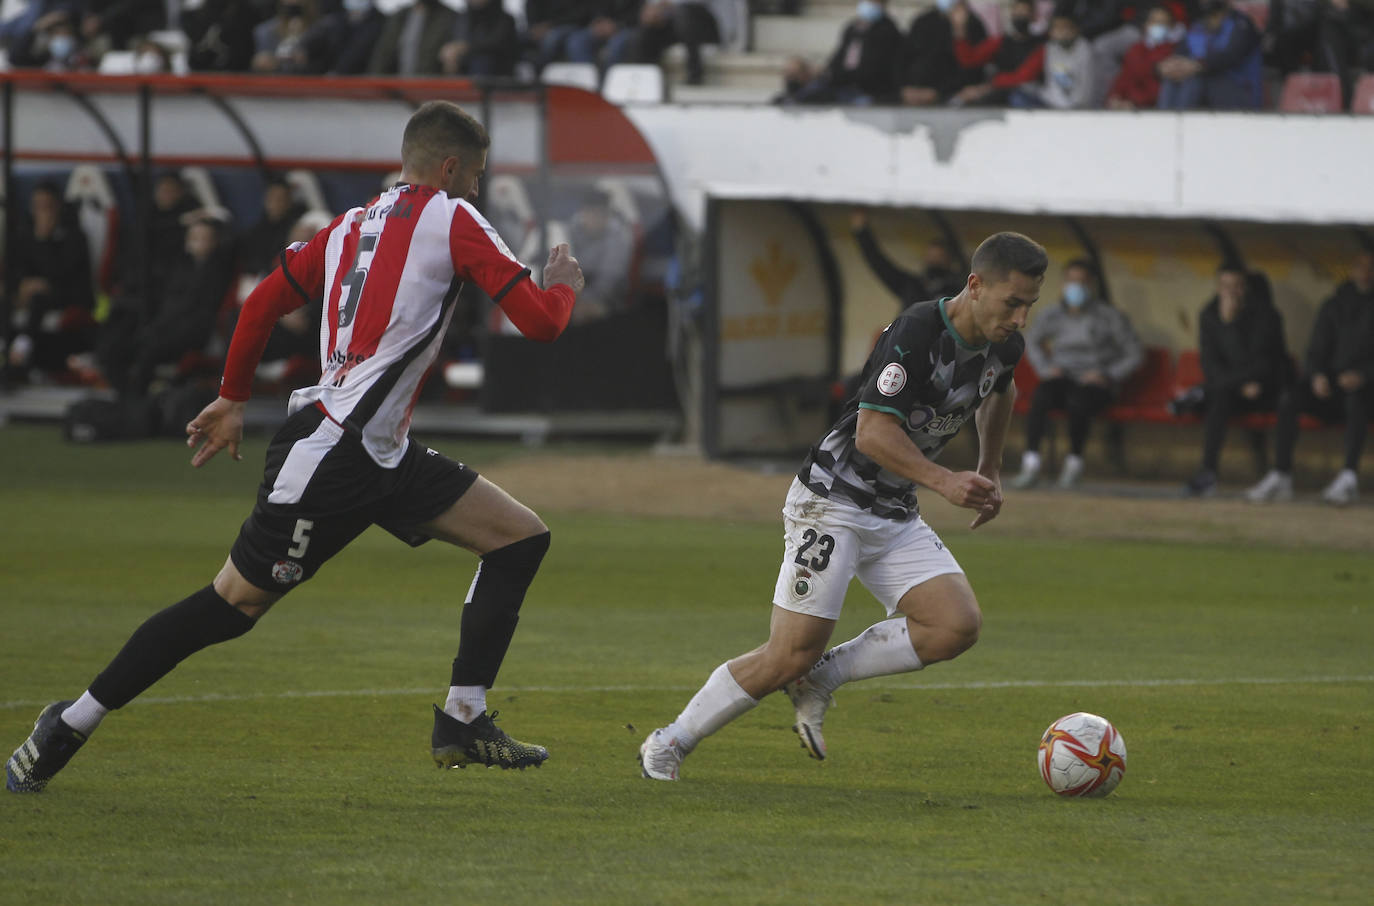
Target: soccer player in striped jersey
column 389, row 274
column 852, row 512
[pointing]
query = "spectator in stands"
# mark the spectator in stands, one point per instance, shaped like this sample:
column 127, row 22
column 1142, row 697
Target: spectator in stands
column 1111, row 27
column 117, row 23
column 221, row 34
column 1082, row 350
column 297, row 40
column 861, row 69
column 1137, row 84
column 296, row 336
column 551, row 23
column 941, row 277
column 1218, row 65
column 605, row 244
column 1070, row 75
column 605, row 40
column 663, row 23
column 261, row 244
column 411, row 39
column 173, row 208
column 1347, row 40
column 486, row 42
column 1244, row 364
column 1007, row 62
column 1337, row 384
column 184, row 316
column 929, row 71
column 55, row 294
column 356, row 26
column 1291, row 34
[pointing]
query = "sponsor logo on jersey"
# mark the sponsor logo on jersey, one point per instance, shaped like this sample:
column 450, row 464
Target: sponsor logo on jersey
column 287, row 572
column 989, row 378
column 944, row 424
column 892, row 380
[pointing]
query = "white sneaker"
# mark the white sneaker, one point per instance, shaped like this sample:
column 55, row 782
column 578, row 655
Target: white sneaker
column 810, row 703
column 1273, row 486
column 1344, row 488
column 1072, row 471
column 1030, row 471
column 660, row 756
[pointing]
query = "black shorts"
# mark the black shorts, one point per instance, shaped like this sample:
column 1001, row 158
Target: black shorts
column 320, row 490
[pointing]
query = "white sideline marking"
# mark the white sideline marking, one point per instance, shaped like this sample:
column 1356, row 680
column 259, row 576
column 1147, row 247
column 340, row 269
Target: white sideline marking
column 914, row 687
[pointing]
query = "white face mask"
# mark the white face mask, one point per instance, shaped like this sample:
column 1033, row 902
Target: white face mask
column 870, row 10
column 1156, row 34
column 945, row 5
column 61, row 46
column 1075, row 295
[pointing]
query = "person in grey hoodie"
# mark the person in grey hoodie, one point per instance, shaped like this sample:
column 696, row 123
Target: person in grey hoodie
column 1070, row 71
column 1082, row 351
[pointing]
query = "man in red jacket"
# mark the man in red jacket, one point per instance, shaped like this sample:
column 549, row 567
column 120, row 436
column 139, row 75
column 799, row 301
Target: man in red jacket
column 388, row 273
column 1137, row 85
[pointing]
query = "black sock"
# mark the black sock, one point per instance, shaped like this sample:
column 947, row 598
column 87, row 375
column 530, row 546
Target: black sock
column 166, row 639
column 490, row 615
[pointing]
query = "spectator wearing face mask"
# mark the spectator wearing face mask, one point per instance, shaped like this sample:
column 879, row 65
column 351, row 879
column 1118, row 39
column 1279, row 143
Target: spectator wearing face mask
column 1137, row 84
column 1217, row 65
column 1007, row 62
column 1070, row 73
column 930, row 70
column 861, row 69
column 1082, row 350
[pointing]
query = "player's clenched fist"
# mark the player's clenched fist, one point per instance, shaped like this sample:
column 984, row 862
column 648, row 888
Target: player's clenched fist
column 563, row 268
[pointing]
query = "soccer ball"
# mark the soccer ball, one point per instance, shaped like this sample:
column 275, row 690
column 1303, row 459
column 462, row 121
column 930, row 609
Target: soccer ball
column 1081, row 754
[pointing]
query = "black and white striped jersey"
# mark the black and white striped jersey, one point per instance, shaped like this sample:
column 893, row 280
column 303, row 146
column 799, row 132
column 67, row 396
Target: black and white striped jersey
column 924, row 373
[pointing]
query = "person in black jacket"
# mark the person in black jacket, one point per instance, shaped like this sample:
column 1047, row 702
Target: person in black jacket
column 1244, row 363
column 942, row 277
column 862, row 69
column 931, row 72
column 1337, row 384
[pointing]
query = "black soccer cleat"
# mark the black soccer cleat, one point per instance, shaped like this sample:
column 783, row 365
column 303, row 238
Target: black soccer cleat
column 455, row 744
column 47, row 750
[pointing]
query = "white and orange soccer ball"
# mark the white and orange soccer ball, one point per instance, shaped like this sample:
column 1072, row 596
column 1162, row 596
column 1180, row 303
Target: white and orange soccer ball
column 1082, row 754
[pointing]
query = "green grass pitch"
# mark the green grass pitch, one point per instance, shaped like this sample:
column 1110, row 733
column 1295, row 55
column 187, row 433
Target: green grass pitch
column 293, row 765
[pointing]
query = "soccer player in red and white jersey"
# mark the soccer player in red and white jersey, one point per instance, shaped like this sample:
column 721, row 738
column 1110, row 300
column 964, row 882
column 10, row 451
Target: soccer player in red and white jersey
column 389, row 274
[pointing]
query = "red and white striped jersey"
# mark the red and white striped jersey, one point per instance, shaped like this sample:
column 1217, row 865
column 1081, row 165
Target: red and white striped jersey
column 389, row 274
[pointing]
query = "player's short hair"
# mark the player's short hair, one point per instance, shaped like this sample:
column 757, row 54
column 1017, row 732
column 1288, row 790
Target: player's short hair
column 438, row 130
column 1232, row 266
column 1004, row 253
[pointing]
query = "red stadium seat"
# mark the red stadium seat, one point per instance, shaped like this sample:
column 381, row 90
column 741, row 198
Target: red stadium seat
column 1363, row 99
column 1311, row 92
column 1188, row 371
column 1146, row 394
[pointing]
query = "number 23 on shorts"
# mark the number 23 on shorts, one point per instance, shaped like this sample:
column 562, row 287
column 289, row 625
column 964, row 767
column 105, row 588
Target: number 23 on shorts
column 824, row 545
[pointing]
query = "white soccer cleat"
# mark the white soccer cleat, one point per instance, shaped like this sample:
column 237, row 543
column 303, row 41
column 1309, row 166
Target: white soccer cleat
column 1030, row 471
column 1072, row 472
column 660, row 756
column 1273, row 486
column 1344, row 489
column 810, row 704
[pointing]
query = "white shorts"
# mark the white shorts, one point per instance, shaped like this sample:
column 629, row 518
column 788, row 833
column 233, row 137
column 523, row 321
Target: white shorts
column 829, row 542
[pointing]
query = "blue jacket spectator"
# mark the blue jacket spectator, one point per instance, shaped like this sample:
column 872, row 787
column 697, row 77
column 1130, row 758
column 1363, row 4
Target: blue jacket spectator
column 1219, row 63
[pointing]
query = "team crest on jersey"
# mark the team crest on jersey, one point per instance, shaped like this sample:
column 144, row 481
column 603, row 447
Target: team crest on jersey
column 802, row 587
column 989, row 378
column 287, row 572
column 892, row 380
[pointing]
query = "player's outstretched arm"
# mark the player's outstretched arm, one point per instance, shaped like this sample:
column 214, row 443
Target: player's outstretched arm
column 881, row 438
column 218, row 425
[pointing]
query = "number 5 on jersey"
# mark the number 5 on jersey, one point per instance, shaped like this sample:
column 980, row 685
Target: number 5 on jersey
column 353, row 280
column 302, row 538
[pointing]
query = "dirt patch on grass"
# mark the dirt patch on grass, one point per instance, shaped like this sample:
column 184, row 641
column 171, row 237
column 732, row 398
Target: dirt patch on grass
column 690, row 487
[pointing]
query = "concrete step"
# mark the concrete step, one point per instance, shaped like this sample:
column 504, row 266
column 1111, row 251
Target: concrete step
column 757, row 71
column 807, row 36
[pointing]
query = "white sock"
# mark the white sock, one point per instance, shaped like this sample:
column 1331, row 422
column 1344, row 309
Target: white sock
column 84, row 714
column 880, row 650
column 717, row 703
column 466, row 703
column 1030, row 462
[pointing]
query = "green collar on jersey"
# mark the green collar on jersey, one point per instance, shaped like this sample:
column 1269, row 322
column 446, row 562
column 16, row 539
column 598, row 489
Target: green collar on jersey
column 958, row 339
